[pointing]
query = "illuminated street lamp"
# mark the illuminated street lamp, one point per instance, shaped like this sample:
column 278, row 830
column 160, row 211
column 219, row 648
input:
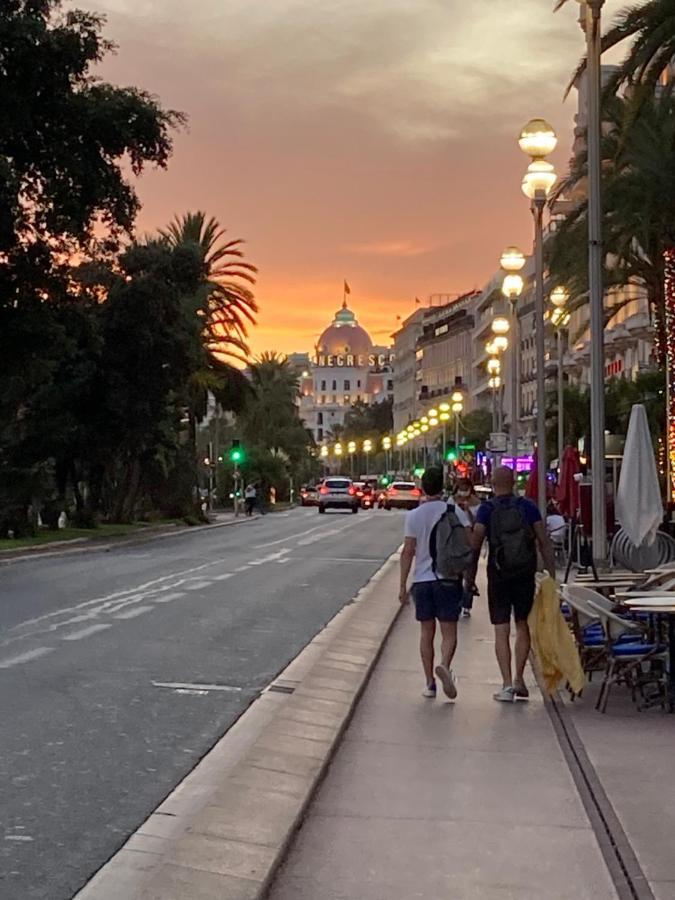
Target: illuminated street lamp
column 500, row 325
column 367, row 449
column 537, row 140
column 512, row 259
column 560, row 319
column 500, row 343
column 444, row 407
column 351, row 450
column 433, row 421
column 433, row 413
column 494, row 366
column 386, row 446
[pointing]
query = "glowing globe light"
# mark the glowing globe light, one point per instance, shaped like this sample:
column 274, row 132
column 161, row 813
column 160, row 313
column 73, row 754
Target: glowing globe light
column 500, row 325
column 512, row 259
column 539, row 179
column 512, row 286
column 537, row 139
column 559, row 296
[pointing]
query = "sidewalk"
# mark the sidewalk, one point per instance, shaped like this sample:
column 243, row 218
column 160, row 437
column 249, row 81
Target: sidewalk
column 428, row 799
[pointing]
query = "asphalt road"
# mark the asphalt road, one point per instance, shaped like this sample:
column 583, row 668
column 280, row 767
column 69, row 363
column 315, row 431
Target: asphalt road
column 99, row 653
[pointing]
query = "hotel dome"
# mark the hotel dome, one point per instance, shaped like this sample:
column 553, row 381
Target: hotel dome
column 344, row 336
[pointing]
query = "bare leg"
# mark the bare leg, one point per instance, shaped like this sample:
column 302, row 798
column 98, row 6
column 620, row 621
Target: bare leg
column 522, row 649
column 448, row 642
column 503, row 651
column 427, row 634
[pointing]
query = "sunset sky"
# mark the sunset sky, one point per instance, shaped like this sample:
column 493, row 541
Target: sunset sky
column 372, row 140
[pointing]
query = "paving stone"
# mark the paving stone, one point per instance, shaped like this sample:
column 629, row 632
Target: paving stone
column 180, row 883
column 273, row 740
column 247, row 814
column 323, row 733
column 266, row 779
column 278, row 761
column 224, row 857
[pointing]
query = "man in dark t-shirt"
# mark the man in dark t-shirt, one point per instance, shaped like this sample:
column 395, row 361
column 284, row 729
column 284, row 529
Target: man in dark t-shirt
column 511, row 582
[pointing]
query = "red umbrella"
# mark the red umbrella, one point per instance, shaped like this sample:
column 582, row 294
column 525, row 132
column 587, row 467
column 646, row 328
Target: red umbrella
column 532, row 488
column 568, row 488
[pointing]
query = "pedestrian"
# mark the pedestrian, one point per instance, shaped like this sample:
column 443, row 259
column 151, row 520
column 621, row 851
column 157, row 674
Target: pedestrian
column 514, row 528
column 434, row 599
column 466, row 498
column 250, row 495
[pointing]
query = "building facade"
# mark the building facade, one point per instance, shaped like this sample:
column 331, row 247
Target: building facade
column 346, row 368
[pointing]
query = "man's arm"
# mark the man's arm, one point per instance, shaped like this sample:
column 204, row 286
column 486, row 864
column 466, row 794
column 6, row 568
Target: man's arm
column 545, row 547
column 407, row 556
column 477, row 538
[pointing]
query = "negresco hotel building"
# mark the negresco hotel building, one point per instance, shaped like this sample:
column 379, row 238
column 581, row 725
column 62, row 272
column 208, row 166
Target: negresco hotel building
column 346, row 367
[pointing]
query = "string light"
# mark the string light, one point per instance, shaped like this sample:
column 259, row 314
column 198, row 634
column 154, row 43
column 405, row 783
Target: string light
column 669, row 260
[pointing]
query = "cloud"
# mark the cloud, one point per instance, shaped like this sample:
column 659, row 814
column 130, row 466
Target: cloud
column 391, row 248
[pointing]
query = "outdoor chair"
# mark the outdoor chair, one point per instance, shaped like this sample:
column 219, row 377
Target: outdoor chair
column 631, row 659
column 587, row 630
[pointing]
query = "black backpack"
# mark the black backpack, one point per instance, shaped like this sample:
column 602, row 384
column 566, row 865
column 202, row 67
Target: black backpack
column 449, row 547
column 512, row 542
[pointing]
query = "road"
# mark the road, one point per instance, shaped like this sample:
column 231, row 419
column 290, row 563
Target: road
column 102, row 655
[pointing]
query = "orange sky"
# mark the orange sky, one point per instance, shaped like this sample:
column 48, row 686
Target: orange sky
column 366, row 139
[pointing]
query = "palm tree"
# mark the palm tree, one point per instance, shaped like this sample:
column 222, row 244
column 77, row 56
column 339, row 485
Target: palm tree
column 227, row 303
column 271, row 418
column 638, row 152
column 652, row 28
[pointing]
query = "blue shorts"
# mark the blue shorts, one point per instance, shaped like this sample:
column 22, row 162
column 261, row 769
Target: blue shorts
column 440, row 600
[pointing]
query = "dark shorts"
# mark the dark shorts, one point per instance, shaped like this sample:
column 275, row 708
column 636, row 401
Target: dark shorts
column 437, row 600
column 510, row 595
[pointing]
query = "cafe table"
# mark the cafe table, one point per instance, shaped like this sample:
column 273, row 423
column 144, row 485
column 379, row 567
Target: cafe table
column 660, row 605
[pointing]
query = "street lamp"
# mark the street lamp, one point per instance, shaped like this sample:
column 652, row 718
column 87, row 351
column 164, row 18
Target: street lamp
column 386, row 446
column 512, row 261
column 537, row 139
column 500, row 343
column 560, row 318
column 457, row 407
column 351, row 450
column 367, row 448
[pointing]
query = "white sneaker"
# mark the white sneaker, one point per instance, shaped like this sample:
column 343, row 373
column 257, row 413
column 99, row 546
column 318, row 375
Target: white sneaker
column 446, row 678
column 506, row 695
column 430, row 691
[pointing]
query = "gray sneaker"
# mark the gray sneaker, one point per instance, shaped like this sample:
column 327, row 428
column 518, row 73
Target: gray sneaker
column 506, row 695
column 446, row 678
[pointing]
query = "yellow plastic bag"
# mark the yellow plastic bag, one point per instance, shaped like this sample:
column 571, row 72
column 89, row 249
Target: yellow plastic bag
column 552, row 641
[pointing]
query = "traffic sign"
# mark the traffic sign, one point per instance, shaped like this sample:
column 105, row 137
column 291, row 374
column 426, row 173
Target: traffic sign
column 497, row 442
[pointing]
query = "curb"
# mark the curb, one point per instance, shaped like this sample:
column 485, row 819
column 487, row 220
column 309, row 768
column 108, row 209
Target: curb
column 228, row 837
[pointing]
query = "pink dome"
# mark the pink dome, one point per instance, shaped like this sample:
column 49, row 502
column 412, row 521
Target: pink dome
column 345, row 336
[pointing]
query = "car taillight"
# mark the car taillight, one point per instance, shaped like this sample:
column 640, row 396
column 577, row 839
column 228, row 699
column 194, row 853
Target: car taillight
column 323, row 489
column 352, row 491
column 416, row 492
column 392, row 491
column 359, row 493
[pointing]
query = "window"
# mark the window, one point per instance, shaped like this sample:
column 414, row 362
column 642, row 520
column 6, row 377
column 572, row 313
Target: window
column 323, row 398
column 347, row 400
column 348, row 385
column 319, row 434
column 319, row 418
column 334, row 398
column 323, row 385
column 358, row 383
column 335, row 385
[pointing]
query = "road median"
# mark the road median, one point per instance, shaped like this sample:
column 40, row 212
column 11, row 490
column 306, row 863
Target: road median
column 224, row 830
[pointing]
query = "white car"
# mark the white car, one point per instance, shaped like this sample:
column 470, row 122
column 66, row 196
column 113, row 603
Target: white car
column 338, row 493
column 402, row 495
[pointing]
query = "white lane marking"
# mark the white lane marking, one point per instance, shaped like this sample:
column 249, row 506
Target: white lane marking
column 329, row 532
column 132, row 613
column 197, row 585
column 18, row 837
column 289, row 537
column 167, row 598
column 223, row 577
column 183, row 686
column 241, row 568
column 84, row 633
column 157, row 584
column 346, row 559
column 25, row 657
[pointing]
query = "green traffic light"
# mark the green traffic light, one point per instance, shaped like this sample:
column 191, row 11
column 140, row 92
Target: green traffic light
column 451, row 456
column 236, row 456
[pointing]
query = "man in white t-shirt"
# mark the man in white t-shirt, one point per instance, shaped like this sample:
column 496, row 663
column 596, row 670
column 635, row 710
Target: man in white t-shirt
column 434, row 600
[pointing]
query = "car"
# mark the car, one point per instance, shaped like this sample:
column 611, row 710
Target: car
column 309, row 495
column 338, row 493
column 402, row 495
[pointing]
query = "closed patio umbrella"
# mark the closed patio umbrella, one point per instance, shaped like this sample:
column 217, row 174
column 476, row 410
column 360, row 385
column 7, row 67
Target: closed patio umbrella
column 568, row 488
column 639, row 507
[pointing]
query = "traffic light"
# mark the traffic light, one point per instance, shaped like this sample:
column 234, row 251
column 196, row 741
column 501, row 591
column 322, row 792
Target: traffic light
column 451, row 455
column 384, row 480
column 236, row 453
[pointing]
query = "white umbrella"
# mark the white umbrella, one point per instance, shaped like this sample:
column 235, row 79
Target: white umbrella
column 639, row 508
